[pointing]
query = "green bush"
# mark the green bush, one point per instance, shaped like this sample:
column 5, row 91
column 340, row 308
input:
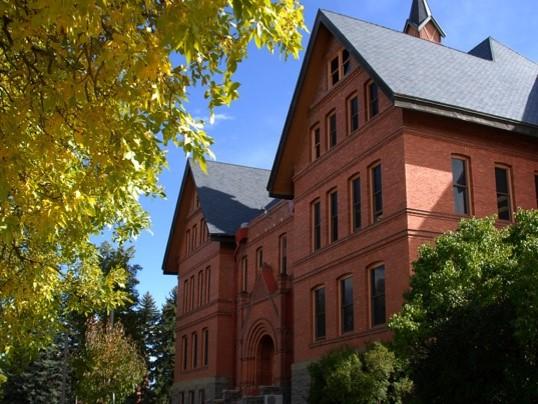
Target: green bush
column 352, row 377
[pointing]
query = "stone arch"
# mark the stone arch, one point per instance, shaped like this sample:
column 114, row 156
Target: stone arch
column 259, row 353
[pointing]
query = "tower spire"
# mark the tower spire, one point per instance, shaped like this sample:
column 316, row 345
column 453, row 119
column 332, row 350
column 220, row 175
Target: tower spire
column 422, row 24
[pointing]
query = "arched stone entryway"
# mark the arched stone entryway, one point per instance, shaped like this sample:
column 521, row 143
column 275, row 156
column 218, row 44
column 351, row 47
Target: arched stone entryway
column 265, row 361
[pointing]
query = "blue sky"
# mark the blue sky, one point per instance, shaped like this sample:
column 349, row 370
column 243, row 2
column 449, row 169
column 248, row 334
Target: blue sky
column 249, row 130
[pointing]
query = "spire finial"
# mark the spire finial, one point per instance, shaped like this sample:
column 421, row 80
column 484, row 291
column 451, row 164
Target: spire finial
column 422, row 24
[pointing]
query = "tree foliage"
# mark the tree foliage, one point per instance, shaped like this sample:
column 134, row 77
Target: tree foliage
column 165, row 350
column 469, row 326
column 109, row 365
column 350, row 377
column 89, row 100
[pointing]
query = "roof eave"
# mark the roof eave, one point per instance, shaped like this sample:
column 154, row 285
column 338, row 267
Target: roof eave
column 450, row 111
column 173, row 225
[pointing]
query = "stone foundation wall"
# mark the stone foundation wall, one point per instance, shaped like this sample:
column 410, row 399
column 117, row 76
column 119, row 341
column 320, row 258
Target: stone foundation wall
column 212, row 387
column 300, row 383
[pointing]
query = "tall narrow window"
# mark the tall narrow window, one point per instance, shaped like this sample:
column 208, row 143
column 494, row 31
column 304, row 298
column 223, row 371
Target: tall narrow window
column 186, row 296
column 205, row 341
column 185, row 351
column 373, row 101
column 194, row 236
column 460, row 186
column 283, row 253
column 346, row 62
column 208, row 284
column 377, row 193
column 333, row 208
column 193, row 291
column 259, row 258
column 316, row 143
column 346, row 305
column 319, row 313
column 201, row 289
column 356, row 203
column 353, row 111
column 316, row 225
column 331, row 130
column 201, row 396
column 502, row 183
column 194, row 345
column 203, row 231
column 378, row 295
column 536, row 188
column 187, row 242
column 244, row 273
column 191, row 397
column 334, row 71
column 182, row 398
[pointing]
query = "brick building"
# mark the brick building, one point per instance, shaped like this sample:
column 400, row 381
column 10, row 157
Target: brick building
column 391, row 139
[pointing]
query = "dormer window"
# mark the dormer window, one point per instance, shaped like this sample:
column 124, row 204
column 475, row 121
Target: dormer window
column 339, row 67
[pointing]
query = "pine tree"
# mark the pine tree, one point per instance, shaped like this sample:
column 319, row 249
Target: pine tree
column 148, row 319
column 47, row 379
column 165, row 350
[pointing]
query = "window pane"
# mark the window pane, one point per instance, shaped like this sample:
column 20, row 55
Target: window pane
column 356, row 201
column 354, row 114
column 378, row 295
column 345, row 62
column 374, row 104
column 503, row 193
column 334, row 216
column 459, row 186
column 332, row 131
column 316, row 226
column 377, row 193
column 335, row 76
column 346, row 296
column 319, row 313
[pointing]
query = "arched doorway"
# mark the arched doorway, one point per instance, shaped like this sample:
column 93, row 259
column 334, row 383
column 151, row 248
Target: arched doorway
column 264, row 359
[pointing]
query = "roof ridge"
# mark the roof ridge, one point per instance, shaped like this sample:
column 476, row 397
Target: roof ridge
column 419, row 39
column 512, row 50
column 232, row 164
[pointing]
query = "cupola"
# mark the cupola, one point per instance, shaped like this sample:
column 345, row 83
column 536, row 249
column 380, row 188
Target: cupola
column 422, row 24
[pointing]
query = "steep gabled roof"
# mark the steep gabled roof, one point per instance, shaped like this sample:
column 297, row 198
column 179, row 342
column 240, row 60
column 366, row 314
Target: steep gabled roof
column 413, row 69
column 501, row 91
column 229, row 195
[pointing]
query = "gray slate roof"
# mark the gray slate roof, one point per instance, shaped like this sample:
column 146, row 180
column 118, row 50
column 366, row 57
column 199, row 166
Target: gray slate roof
column 230, row 195
column 505, row 87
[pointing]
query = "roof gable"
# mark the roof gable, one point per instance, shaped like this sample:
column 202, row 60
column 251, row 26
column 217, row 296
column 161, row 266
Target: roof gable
column 229, row 195
column 501, row 91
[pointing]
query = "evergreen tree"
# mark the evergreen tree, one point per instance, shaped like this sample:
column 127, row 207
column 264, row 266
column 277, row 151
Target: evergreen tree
column 148, row 317
column 111, row 258
column 163, row 375
column 47, row 379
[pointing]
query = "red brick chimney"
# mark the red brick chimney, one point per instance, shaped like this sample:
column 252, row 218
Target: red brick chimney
column 422, row 24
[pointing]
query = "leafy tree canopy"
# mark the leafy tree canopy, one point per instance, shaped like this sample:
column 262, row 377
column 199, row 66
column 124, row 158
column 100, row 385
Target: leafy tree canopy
column 109, row 365
column 469, row 327
column 351, row 377
column 89, row 100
